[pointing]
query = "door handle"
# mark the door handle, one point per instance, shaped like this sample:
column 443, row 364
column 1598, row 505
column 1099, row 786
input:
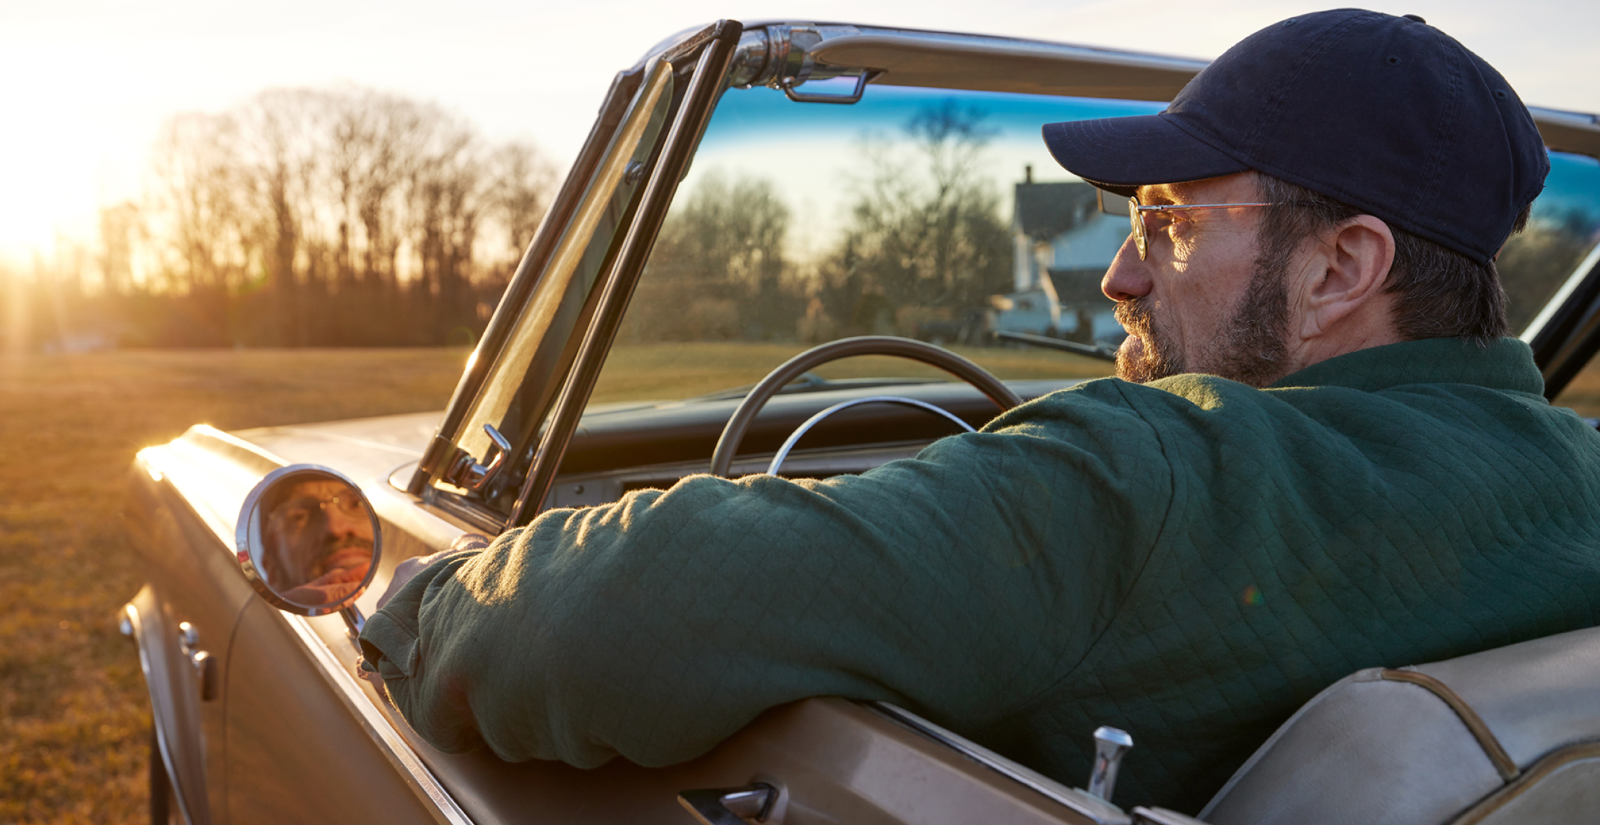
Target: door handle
column 205, row 667
column 730, row 806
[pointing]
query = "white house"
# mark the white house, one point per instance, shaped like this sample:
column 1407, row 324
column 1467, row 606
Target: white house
column 1062, row 245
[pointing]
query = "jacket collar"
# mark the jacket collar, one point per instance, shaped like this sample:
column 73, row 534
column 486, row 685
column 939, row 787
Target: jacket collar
column 1505, row 364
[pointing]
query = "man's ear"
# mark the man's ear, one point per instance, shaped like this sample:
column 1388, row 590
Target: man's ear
column 1344, row 277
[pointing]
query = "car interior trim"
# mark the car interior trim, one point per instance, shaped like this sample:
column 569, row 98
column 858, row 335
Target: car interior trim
column 378, row 725
column 1162, row 816
column 603, row 487
column 1093, row 808
column 1480, row 731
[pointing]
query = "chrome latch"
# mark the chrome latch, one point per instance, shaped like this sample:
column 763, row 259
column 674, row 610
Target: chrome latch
column 205, row 667
column 731, row 806
column 1110, row 745
column 467, row 473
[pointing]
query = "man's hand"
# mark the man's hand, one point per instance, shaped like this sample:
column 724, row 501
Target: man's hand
column 407, row 570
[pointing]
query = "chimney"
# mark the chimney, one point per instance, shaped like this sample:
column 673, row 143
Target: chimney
column 1027, row 173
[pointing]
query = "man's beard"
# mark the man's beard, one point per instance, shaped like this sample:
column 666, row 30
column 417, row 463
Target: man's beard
column 332, row 546
column 1250, row 348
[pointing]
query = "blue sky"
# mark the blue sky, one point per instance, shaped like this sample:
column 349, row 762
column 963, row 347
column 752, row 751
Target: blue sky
column 89, row 82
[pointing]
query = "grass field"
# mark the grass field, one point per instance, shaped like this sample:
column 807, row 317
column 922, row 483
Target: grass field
column 74, row 722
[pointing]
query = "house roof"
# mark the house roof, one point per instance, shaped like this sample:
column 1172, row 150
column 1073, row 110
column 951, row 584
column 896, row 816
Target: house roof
column 1045, row 210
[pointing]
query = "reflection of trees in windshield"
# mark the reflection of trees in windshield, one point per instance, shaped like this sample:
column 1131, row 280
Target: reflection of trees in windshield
column 719, row 271
column 925, row 246
column 922, row 249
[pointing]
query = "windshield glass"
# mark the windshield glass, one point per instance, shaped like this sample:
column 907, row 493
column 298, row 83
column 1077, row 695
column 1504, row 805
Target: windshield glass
column 930, row 214
column 923, row 213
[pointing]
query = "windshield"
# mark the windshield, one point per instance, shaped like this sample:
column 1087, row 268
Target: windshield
column 922, row 213
column 930, row 214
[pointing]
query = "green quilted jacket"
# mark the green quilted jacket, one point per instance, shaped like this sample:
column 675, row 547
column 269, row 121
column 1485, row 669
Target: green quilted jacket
column 1188, row 560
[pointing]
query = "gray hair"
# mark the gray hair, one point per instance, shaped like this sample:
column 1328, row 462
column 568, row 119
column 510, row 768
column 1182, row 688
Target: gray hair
column 1440, row 293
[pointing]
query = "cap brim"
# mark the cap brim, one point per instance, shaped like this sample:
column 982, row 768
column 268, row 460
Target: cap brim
column 1120, row 154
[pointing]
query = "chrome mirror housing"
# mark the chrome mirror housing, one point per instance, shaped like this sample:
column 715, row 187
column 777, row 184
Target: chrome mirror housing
column 308, row 541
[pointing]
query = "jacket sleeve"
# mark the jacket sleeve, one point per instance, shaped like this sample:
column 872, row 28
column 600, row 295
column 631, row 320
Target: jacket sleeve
column 961, row 584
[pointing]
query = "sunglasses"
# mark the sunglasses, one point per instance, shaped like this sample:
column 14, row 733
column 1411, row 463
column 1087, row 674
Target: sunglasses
column 1113, row 204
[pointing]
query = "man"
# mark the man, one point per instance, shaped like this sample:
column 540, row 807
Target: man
column 1321, row 456
column 317, row 543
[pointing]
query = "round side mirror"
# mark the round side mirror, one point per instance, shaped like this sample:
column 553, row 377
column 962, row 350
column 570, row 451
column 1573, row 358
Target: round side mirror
column 308, row 540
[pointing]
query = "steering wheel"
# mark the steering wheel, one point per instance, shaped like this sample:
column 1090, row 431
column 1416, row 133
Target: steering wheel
column 733, row 433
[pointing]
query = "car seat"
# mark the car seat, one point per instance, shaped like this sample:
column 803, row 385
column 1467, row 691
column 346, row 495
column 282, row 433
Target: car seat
column 1506, row 735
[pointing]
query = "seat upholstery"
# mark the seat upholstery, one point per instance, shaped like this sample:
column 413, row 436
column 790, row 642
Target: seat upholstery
column 1511, row 734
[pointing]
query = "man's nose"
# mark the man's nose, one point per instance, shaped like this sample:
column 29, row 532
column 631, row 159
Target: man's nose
column 341, row 523
column 1127, row 278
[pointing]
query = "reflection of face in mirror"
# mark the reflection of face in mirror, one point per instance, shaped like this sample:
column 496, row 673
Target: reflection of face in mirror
column 318, row 542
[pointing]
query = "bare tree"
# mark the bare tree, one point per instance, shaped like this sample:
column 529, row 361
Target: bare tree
column 339, row 217
column 719, row 270
column 926, row 235
column 520, row 185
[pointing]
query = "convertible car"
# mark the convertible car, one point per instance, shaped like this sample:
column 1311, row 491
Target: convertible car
column 754, row 204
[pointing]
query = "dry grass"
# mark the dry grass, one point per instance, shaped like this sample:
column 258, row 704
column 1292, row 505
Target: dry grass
column 74, row 720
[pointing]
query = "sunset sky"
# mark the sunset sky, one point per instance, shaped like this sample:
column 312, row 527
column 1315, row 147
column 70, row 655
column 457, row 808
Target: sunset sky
column 89, row 82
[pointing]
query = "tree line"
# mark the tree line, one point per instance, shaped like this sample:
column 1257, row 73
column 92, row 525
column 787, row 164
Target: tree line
column 923, row 248
column 301, row 217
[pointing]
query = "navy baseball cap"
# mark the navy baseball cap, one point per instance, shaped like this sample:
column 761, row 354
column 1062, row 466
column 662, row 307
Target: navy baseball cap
column 1386, row 114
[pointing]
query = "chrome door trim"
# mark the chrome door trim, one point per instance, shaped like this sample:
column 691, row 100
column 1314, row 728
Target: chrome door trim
column 1095, row 809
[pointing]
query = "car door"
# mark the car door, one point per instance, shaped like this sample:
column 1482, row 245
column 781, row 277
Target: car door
column 179, row 515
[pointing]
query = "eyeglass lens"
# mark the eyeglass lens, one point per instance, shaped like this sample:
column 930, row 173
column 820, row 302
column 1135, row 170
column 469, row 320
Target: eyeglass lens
column 1113, row 204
